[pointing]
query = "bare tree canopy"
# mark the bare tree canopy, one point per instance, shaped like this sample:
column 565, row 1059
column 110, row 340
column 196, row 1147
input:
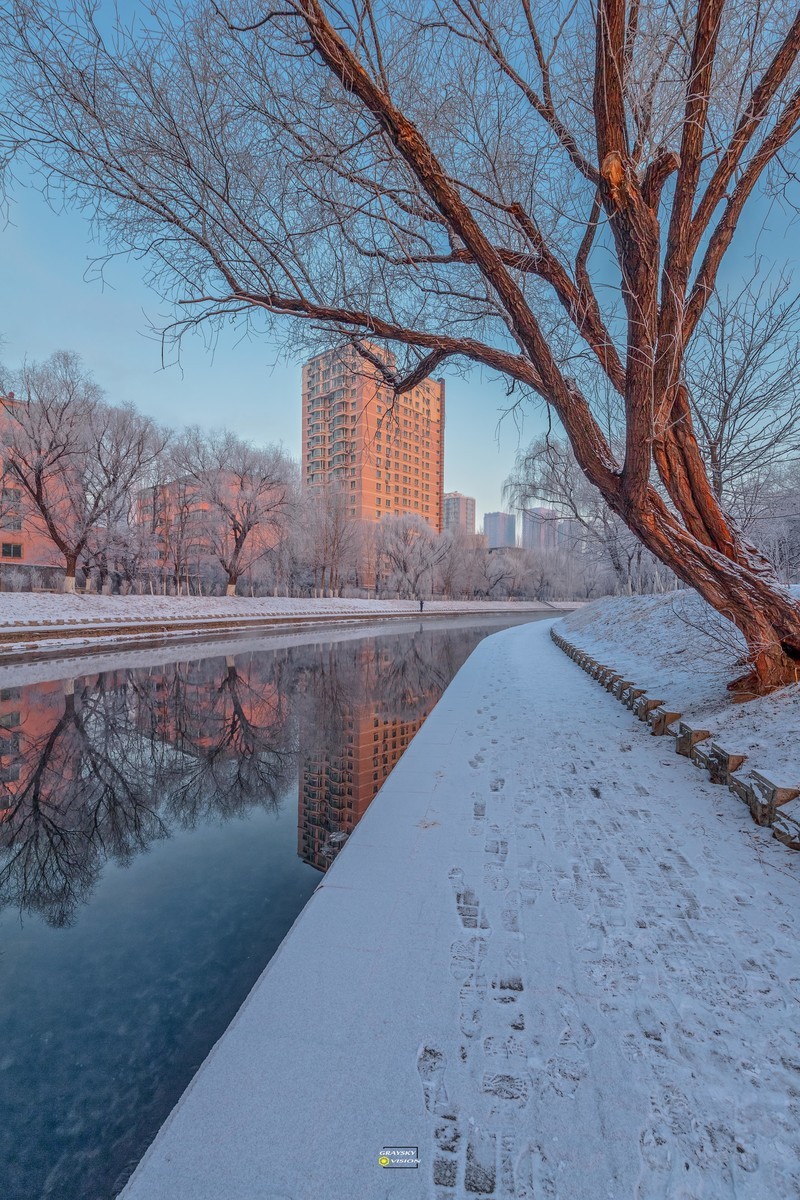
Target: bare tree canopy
column 409, row 551
column 242, row 492
column 549, row 192
column 743, row 371
column 76, row 459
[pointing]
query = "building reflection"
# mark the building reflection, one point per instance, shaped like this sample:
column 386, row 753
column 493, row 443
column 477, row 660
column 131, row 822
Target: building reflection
column 100, row 767
column 379, row 698
column 337, row 788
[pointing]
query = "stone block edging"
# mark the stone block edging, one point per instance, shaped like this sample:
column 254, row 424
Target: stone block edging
column 770, row 804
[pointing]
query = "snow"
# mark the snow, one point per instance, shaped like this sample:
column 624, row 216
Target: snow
column 49, row 608
column 91, row 657
column 50, row 623
column 679, row 650
column 551, row 957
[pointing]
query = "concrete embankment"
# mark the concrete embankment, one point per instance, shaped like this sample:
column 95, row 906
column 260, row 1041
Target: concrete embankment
column 551, row 961
column 51, row 638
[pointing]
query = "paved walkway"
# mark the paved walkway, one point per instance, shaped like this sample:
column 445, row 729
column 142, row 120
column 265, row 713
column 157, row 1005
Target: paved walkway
column 552, row 958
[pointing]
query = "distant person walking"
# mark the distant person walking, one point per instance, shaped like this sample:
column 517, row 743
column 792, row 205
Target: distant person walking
column 420, row 605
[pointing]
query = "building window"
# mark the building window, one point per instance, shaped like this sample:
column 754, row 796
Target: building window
column 11, row 550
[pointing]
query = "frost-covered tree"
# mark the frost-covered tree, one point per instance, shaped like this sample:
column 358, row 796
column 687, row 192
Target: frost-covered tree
column 75, row 458
column 238, row 495
column 559, row 213
column 409, row 551
column 331, row 539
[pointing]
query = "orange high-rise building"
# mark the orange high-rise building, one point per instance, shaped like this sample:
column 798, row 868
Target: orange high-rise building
column 385, row 452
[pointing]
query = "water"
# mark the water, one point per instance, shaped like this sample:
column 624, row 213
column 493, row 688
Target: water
column 162, row 823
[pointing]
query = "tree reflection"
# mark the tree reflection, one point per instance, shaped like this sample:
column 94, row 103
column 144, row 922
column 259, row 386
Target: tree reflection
column 102, row 767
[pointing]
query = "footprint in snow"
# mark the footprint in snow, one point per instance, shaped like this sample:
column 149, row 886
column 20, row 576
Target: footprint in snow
column 511, row 912
column 466, row 958
column 431, row 1065
column 494, row 877
column 511, row 1088
column 533, row 1178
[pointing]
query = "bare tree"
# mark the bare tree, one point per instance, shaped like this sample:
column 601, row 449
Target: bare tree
column 409, row 551
column 456, row 570
column 166, row 511
column 494, row 574
column 74, row 457
column 332, row 539
column 743, row 373
column 548, row 472
column 560, row 214
column 240, row 495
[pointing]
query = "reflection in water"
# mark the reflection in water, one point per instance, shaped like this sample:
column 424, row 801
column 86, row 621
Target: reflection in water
column 101, row 767
column 184, row 776
column 373, row 702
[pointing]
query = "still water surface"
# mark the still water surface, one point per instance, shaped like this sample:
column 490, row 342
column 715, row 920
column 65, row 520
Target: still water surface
column 161, row 826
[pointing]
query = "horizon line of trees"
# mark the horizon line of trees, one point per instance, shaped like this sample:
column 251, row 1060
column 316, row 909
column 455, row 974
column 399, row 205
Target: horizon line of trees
column 130, row 506
column 134, row 507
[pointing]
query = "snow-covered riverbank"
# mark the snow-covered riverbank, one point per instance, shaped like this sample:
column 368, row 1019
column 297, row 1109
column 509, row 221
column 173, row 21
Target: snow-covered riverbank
column 50, row 608
column 35, row 623
column 552, row 959
column 676, row 647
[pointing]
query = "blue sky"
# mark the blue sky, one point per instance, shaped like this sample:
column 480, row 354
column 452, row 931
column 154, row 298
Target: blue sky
column 48, row 303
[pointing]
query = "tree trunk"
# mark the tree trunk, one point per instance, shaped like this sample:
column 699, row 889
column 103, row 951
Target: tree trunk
column 230, row 589
column 766, row 615
column 69, row 577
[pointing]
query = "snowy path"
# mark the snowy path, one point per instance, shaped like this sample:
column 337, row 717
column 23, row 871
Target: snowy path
column 559, row 963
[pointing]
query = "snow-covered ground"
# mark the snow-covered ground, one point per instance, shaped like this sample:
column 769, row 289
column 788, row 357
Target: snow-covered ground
column 552, row 958
column 49, row 608
column 679, row 650
column 103, row 654
column 50, row 623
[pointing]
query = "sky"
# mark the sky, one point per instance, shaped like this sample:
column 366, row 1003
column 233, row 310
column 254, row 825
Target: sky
column 52, row 300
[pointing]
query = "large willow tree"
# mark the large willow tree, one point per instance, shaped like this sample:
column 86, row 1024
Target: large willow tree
column 546, row 189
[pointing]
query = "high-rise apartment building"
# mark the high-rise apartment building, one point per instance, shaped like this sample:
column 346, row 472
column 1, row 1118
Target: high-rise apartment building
column 459, row 512
column 539, row 529
column 385, row 452
column 500, row 529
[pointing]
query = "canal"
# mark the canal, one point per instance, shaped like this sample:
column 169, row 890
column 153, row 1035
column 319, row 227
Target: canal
column 164, row 817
